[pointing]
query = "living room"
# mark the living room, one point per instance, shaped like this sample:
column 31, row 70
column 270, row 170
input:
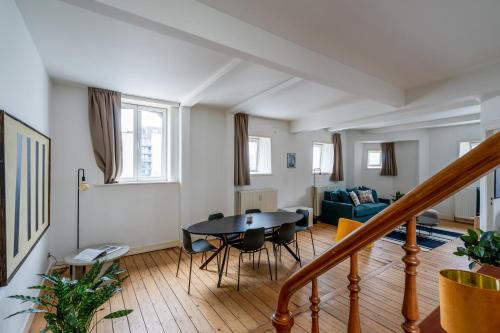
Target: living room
column 211, row 123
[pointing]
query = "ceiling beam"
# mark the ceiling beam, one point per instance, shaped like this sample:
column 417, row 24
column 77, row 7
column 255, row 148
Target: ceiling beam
column 200, row 92
column 245, row 104
column 204, row 26
column 445, row 122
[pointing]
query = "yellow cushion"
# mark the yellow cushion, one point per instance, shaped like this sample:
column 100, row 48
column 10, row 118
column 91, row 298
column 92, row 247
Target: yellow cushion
column 345, row 227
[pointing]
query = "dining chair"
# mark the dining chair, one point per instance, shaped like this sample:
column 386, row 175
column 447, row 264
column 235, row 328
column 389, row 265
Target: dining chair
column 190, row 247
column 253, row 241
column 283, row 236
column 303, row 225
column 230, row 238
column 253, row 211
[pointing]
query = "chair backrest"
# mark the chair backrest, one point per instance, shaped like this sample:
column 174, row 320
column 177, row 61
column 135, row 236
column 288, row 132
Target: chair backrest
column 286, row 233
column 187, row 244
column 253, row 239
column 253, row 211
column 215, row 216
column 304, row 222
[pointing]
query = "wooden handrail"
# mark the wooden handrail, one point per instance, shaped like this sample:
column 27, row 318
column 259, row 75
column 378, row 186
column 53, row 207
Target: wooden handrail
column 467, row 169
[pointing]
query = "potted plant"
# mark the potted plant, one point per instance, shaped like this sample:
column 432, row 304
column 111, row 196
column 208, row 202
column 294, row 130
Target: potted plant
column 397, row 196
column 69, row 305
column 481, row 248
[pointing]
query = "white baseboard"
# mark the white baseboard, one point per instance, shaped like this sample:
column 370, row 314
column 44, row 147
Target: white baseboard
column 152, row 247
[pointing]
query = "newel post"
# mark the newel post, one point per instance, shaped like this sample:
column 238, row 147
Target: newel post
column 283, row 322
column 410, row 302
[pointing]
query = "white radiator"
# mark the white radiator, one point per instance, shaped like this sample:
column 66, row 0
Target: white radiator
column 465, row 203
column 318, row 193
column 264, row 199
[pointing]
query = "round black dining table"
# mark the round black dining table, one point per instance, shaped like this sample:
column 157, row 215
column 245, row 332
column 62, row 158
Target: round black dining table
column 238, row 224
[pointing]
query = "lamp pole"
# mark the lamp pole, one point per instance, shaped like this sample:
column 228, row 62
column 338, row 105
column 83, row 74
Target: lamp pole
column 81, row 186
column 316, row 171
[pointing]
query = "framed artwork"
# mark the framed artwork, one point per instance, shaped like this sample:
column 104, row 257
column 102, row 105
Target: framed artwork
column 497, row 184
column 290, row 160
column 24, row 192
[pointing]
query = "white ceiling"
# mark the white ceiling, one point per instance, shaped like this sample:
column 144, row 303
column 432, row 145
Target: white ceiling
column 388, row 44
column 407, row 43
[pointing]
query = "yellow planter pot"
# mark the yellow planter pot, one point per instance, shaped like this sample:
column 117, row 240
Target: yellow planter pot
column 470, row 302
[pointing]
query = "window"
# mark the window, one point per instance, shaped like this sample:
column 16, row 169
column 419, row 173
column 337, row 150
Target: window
column 374, row 159
column 465, row 146
column 322, row 158
column 144, row 142
column 259, row 153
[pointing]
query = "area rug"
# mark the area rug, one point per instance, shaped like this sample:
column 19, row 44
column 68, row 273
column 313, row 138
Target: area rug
column 425, row 240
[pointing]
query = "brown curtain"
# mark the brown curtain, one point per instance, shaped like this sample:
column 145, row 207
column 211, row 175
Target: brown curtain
column 241, row 162
column 338, row 170
column 389, row 167
column 105, row 131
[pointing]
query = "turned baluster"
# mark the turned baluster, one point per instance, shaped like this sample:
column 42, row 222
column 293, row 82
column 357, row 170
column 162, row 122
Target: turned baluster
column 314, row 299
column 410, row 303
column 354, row 325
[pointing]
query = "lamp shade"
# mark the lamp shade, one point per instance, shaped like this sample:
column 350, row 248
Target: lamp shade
column 83, row 186
column 470, row 302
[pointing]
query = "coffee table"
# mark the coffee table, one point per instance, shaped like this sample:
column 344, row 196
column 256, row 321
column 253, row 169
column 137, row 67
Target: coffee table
column 77, row 267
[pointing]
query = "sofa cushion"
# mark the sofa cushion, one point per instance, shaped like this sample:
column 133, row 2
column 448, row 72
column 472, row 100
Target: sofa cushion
column 374, row 193
column 344, row 197
column 369, row 209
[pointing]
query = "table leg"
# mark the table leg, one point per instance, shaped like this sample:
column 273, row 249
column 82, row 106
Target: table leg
column 224, row 260
column 216, row 253
column 292, row 253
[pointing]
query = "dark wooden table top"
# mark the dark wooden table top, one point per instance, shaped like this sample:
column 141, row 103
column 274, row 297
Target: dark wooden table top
column 238, row 223
column 432, row 323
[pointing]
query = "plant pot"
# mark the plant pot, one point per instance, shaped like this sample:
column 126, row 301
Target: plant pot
column 470, row 302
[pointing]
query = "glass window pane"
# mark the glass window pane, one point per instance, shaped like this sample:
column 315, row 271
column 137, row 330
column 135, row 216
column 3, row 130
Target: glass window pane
column 127, row 124
column 374, row 158
column 151, row 143
column 316, row 157
column 253, row 151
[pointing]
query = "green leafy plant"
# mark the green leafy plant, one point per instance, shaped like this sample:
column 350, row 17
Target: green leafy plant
column 481, row 248
column 69, row 305
column 397, row 196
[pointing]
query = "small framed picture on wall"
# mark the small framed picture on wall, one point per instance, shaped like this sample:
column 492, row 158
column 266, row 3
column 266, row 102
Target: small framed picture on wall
column 290, row 160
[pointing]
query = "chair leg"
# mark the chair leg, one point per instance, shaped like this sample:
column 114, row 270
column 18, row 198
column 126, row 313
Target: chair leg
column 258, row 261
column 297, row 250
column 179, row 262
column 268, row 262
column 190, row 269
column 228, row 256
column 276, row 263
column 253, row 260
column 239, row 263
column 312, row 241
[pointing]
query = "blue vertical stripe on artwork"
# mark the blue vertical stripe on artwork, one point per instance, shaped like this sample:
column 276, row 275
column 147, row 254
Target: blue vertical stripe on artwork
column 43, row 184
column 18, row 192
column 37, row 181
column 28, row 185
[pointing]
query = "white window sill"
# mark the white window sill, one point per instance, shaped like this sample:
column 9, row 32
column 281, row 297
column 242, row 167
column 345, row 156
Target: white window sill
column 140, row 183
column 260, row 174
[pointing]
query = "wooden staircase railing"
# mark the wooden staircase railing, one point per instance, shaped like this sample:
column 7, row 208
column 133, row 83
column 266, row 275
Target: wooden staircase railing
column 451, row 179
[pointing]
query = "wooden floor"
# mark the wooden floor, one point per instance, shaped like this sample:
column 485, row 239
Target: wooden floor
column 161, row 303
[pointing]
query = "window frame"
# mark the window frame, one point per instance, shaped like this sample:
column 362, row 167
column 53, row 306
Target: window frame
column 320, row 144
column 258, row 139
column 472, row 144
column 139, row 106
column 373, row 166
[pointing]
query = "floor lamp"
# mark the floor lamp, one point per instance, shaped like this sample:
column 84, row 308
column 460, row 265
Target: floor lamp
column 316, row 171
column 82, row 186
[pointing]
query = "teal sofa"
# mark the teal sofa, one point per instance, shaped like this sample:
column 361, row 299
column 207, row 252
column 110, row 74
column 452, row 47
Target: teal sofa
column 337, row 204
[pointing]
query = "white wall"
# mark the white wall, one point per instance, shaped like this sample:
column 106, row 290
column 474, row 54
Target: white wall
column 24, row 91
column 490, row 207
column 437, row 147
column 137, row 214
column 407, row 163
column 443, row 149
